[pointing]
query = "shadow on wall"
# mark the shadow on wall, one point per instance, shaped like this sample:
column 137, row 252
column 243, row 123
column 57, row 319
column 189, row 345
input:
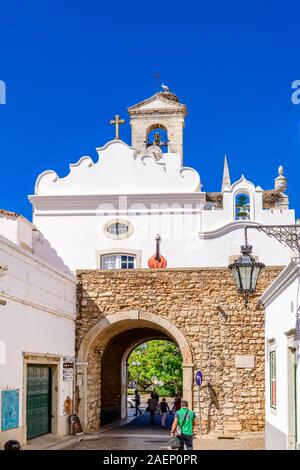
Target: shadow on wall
column 213, row 402
column 43, row 249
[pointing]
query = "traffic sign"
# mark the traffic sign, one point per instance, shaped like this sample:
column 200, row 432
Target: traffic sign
column 199, row 378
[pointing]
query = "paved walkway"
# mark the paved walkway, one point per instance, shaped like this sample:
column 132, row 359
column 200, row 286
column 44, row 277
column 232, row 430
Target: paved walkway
column 139, row 434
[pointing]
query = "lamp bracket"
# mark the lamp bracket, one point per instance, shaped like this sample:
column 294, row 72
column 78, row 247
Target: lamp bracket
column 246, row 249
column 288, row 235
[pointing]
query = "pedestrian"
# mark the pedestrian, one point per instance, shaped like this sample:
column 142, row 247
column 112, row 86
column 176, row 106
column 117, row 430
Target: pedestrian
column 176, row 403
column 152, row 406
column 137, row 398
column 183, row 426
column 155, row 395
column 164, row 408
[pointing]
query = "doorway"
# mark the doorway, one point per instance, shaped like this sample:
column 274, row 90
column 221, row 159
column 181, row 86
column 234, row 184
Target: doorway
column 38, row 400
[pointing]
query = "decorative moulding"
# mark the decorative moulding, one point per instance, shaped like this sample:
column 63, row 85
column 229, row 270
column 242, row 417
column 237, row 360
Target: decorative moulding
column 219, row 232
column 118, row 171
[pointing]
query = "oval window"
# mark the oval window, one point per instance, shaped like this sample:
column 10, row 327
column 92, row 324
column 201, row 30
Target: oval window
column 118, row 229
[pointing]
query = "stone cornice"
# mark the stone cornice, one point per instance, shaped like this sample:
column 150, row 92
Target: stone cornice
column 171, row 105
column 289, row 274
column 77, row 203
column 163, row 112
column 114, row 272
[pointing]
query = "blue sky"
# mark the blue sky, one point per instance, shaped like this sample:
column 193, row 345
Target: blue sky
column 70, row 66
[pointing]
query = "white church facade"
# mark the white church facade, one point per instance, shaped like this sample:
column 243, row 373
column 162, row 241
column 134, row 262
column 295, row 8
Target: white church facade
column 116, row 206
column 134, row 202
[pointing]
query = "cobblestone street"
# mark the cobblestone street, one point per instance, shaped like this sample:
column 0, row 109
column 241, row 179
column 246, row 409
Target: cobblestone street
column 139, row 434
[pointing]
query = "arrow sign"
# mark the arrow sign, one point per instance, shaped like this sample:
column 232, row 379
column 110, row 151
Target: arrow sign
column 199, row 378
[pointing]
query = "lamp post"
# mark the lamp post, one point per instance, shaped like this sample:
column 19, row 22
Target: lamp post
column 246, row 270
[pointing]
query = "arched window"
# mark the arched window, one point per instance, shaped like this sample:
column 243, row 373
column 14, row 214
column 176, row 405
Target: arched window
column 157, row 134
column 242, row 206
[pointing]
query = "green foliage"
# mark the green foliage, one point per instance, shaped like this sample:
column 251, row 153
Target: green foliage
column 242, row 201
column 168, row 390
column 156, row 361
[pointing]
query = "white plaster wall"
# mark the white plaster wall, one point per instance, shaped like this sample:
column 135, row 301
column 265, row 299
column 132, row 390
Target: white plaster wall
column 24, row 228
column 8, row 228
column 17, row 229
column 38, row 318
column 72, row 211
column 281, row 316
column 119, row 170
column 181, row 243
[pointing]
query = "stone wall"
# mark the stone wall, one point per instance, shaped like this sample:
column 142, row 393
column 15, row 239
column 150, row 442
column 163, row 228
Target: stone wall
column 205, row 306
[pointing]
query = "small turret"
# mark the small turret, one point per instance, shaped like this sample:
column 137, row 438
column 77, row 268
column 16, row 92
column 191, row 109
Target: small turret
column 280, row 181
column 226, row 183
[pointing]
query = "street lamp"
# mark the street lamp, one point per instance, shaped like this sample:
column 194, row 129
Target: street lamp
column 246, row 270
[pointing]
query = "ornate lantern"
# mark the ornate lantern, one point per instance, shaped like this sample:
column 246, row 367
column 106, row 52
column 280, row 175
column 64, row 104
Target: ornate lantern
column 245, row 271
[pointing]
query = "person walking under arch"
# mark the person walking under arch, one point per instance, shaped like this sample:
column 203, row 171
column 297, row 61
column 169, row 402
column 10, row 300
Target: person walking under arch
column 152, row 407
column 137, row 399
column 164, row 408
column 176, row 403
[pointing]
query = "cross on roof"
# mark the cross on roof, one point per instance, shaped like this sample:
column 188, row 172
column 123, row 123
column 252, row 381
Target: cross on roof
column 117, row 121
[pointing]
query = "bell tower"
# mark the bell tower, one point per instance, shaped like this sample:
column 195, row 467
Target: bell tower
column 160, row 112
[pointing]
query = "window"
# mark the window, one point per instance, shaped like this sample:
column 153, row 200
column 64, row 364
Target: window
column 242, row 207
column 273, row 379
column 118, row 229
column 118, row 261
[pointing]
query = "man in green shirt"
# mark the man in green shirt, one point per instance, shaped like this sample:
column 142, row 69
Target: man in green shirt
column 185, row 419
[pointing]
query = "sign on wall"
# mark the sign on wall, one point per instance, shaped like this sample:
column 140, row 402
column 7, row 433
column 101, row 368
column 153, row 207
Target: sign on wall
column 9, row 409
column 199, row 378
column 68, row 368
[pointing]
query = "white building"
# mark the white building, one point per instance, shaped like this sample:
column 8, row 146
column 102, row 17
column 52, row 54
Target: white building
column 282, row 304
column 37, row 334
column 107, row 214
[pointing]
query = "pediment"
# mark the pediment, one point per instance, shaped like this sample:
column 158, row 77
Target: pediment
column 157, row 103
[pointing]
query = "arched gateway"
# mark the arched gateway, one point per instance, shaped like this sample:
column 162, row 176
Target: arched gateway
column 103, row 354
column 200, row 311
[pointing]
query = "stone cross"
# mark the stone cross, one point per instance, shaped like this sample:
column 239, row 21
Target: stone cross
column 117, row 121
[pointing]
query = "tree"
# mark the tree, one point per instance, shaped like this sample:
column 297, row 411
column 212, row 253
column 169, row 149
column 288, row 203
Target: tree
column 156, row 360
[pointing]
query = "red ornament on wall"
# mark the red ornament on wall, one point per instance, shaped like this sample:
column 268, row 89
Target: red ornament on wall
column 157, row 261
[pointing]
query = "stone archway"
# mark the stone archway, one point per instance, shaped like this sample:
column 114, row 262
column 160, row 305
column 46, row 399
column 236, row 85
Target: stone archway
column 100, row 361
column 201, row 311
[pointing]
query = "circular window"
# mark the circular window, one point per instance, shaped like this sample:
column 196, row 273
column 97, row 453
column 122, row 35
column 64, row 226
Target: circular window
column 118, row 229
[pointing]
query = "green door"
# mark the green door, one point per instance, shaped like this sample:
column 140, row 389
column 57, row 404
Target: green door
column 38, row 406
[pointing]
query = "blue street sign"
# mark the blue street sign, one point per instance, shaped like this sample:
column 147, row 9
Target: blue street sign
column 199, row 377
